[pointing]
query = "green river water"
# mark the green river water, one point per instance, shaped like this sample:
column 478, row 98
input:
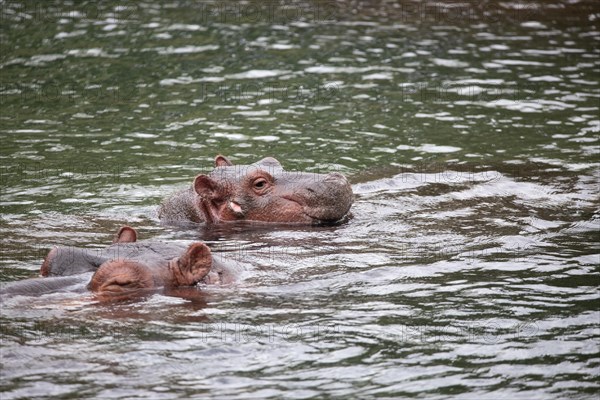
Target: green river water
column 469, row 131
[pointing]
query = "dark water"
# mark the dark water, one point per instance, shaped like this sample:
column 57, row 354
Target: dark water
column 469, row 130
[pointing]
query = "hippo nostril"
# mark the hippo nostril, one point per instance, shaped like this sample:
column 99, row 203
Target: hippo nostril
column 310, row 190
column 335, row 176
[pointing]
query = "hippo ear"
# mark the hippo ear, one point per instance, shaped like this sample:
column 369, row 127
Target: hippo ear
column 125, row 235
column 222, row 161
column 270, row 162
column 197, row 253
column 204, row 186
column 193, row 265
column 46, row 269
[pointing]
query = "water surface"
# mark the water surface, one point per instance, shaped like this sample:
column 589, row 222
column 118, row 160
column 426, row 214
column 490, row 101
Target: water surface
column 470, row 134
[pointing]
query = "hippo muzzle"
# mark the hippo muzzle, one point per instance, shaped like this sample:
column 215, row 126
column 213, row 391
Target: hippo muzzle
column 325, row 198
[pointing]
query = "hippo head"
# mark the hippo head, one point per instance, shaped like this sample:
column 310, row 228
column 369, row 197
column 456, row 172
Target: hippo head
column 123, row 275
column 264, row 191
column 128, row 265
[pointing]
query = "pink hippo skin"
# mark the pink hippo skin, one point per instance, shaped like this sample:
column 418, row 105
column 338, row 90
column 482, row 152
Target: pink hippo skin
column 126, row 275
column 262, row 191
column 127, row 267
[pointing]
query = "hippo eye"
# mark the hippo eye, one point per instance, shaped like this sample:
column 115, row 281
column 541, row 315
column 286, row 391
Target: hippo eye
column 260, row 184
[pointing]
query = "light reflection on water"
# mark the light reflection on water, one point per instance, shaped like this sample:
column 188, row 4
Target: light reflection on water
column 470, row 268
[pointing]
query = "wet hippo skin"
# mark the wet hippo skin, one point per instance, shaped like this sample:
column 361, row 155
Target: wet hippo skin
column 127, row 266
column 262, row 191
column 40, row 286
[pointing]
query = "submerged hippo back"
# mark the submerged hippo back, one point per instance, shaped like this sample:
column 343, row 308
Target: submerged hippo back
column 40, row 286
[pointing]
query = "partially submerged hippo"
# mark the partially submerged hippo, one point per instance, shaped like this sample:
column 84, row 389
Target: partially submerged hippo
column 147, row 265
column 127, row 266
column 262, row 191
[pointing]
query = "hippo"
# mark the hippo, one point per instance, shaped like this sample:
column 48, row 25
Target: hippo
column 40, row 286
column 262, row 192
column 127, row 266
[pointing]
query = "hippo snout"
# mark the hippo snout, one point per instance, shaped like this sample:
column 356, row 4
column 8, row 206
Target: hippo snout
column 329, row 199
column 336, row 177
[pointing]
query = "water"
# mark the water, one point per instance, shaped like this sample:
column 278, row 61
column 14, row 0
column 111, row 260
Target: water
column 470, row 134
